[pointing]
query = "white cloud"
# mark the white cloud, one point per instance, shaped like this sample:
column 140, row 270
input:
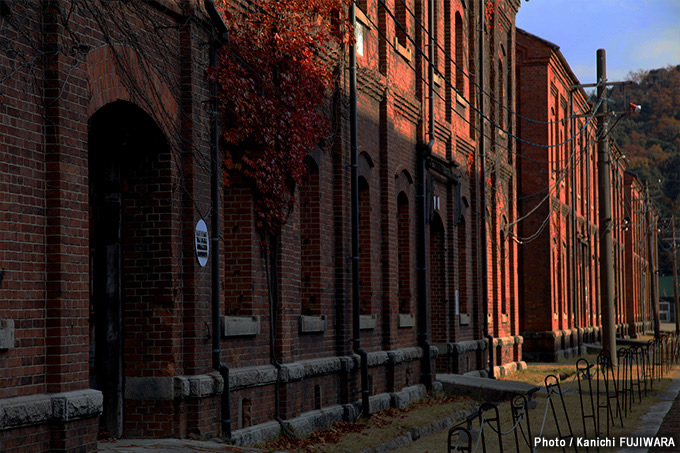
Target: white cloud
column 662, row 50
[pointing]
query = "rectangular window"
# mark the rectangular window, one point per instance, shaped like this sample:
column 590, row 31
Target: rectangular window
column 359, row 33
column 400, row 27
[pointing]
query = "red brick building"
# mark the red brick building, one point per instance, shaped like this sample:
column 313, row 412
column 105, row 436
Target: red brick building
column 638, row 302
column 555, row 173
column 105, row 121
column 103, row 126
column 558, row 202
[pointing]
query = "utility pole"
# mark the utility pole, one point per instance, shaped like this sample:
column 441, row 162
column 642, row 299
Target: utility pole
column 654, row 299
column 605, row 217
column 674, row 257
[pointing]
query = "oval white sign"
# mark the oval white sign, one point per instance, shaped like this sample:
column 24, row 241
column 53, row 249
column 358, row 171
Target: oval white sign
column 201, row 242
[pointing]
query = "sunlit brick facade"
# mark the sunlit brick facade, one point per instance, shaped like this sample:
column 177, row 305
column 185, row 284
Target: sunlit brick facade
column 558, row 199
column 638, row 313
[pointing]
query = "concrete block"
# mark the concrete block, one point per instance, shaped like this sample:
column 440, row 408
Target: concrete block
column 377, row 358
column 408, row 395
column 205, row 385
column 252, row 376
column 416, row 392
column 42, row 408
column 319, row 367
column 182, row 387
column 411, row 354
column 462, row 347
column 257, row 434
column 6, row 334
column 25, row 410
column 407, row 320
column 240, row 326
column 482, row 388
column 311, row 421
column 348, row 364
column 396, row 356
column 400, row 400
column 350, row 412
column 379, row 402
column 367, row 322
column 77, row 404
column 312, row 324
column 150, row 388
column 292, row 372
column 437, row 386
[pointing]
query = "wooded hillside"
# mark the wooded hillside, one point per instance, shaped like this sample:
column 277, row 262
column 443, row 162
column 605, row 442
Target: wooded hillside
column 650, row 140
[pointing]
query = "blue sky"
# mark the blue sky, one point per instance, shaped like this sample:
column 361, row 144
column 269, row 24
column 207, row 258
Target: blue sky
column 637, row 34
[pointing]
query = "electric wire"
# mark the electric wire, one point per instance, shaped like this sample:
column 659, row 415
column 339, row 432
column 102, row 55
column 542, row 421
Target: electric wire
column 584, row 153
column 476, row 128
column 472, row 80
column 565, row 172
column 473, row 107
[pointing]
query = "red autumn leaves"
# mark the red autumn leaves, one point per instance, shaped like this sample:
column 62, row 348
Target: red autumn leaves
column 275, row 76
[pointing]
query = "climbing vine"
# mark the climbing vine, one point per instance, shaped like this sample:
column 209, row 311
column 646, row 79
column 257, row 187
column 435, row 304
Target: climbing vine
column 275, row 75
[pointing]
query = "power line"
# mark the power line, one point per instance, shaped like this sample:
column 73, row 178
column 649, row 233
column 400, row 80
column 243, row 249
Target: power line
column 471, row 79
column 565, row 172
column 492, row 122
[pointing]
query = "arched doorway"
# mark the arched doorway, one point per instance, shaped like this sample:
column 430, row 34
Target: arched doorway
column 123, row 145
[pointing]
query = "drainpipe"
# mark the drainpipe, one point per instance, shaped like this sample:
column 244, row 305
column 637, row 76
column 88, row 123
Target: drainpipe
column 354, row 182
column 482, row 195
column 421, row 258
column 223, row 369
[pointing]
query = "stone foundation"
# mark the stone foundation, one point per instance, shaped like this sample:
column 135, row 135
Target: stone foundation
column 557, row 345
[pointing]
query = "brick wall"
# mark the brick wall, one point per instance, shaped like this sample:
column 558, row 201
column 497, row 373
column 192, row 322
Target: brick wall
column 560, row 201
column 550, row 179
column 55, row 178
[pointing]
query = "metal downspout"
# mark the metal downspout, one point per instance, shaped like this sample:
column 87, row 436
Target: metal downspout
column 218, row 365
column 354, row 183
column 482, row 195
column 421, row 258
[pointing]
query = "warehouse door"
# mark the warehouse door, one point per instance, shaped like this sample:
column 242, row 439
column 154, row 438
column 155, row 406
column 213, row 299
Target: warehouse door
column 121, row 137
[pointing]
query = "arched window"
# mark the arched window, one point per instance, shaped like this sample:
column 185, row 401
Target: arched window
column 503, row 246
column 501, row 92
column 553, row 151
column 435, row 35
column 404, row 253
column 365, row 265
column 463, row 277
column 471, row 69
column 447, row 61
column 310, row 242
column 460, row 65
column 400, row 25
